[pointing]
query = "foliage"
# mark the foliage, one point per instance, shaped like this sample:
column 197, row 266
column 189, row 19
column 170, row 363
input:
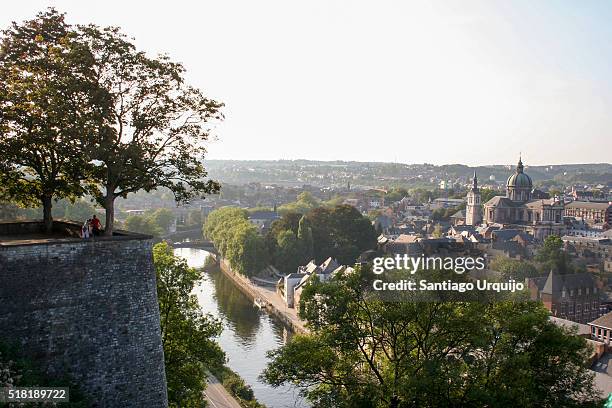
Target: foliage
column 364, row 352
column 194, row 218
column 486, row 194
column 340, row 232
column 153, row 127
column 82, row 108
column 44, row 99
column 514, row 268
column 552, row 256
column 305, row 239
column 437, row 231
column 163, row 218
column 305, row 202
column 237, row 387
column 187, row 334
column 443, row 214
column 237, row 240
column 143, row 225
column 20, row 371
column 395, row 195
column 289, row 252
column 288, row 221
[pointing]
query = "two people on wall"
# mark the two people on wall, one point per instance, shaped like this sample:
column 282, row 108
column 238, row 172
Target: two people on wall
column 91, row 227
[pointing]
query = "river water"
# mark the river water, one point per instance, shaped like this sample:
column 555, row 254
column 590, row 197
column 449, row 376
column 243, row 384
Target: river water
column 248, row 333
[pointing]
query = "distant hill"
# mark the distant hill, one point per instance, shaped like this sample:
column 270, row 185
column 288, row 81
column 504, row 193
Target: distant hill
column 337, row 173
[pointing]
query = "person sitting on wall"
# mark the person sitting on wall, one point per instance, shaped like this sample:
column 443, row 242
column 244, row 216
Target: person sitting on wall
column 95, row 226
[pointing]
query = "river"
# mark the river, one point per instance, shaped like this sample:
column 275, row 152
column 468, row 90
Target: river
column 248, row 333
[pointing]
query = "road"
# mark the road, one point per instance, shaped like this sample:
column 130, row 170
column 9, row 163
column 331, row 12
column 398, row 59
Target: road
column 271, row 296
column 217, row 396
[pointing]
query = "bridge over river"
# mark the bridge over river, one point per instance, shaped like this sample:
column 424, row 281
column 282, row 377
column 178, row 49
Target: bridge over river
column 198, row 244
column 190, row 239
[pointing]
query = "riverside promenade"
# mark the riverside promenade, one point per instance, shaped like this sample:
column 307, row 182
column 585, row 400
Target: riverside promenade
column 276, row 305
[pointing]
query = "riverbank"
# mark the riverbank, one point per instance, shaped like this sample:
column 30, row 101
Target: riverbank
column 248, row 335
column 275, row 304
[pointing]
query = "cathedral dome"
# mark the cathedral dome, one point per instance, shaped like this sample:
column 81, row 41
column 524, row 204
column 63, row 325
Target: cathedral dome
column 519, row 179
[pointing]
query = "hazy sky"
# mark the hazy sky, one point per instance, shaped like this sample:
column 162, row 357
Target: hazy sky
column 472, row 82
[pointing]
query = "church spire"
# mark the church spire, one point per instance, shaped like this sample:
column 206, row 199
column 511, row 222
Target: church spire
column 475, row 182
column 519, row 167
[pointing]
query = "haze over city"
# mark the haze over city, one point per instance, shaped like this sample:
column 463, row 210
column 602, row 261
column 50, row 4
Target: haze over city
column 452, row 82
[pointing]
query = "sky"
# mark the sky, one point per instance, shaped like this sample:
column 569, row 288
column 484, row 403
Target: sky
column 472, row 82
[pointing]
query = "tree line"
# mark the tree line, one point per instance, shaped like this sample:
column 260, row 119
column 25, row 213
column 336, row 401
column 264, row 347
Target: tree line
column 84, row 112
column 362, row 351
column 340, row 232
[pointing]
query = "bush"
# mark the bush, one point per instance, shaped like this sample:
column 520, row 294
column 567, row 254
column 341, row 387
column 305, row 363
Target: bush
column 236, row 386
column 19, row 371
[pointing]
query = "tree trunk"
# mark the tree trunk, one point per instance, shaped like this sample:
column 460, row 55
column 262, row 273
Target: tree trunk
column 109, row 207
column 47, row 202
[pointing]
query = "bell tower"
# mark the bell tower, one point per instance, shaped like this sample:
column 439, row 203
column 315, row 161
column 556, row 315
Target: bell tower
column 473, row 211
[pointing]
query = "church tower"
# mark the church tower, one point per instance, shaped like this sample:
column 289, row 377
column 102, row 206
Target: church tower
column 473, row 211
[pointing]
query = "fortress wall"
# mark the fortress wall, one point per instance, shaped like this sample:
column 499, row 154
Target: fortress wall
column 88, row 309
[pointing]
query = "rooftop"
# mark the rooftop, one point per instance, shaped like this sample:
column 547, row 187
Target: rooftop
column 603, row 321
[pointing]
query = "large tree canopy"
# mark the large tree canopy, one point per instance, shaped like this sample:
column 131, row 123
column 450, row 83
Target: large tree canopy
column 154, row 127
column 81, row 107
column 364, row 352
column 46, row 102
column 340, row 232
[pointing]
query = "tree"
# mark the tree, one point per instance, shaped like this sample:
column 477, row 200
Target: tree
column 513, row 268
column 364, row 352
column 163, row 218
column 486, row 194
column 304, row 202
column 45, row 100
column 194, row 218
column 289, row 252
column 187, row 334
column 154, row 127
column 304, row 235
column 237, row 240
column 290, row 220
column 437, row 231
column 340, row 232
column 552, row 256
column 143, row 225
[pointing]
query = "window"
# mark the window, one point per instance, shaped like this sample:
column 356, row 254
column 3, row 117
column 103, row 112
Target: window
column 578, row 309
column 599, row 331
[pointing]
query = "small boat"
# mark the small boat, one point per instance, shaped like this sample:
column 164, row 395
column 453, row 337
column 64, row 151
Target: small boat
column 260, row 303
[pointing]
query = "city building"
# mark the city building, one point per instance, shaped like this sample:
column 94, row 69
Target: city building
column 596, row 215
column 473, row 210
column 447, row 202
column 575, row 297
column 596, row 251
column 601, row 328
column 518, row 209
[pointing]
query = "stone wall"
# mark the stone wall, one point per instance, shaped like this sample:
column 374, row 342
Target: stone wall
column 88, row 309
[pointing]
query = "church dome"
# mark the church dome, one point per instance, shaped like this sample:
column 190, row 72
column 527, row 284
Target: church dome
column 519, row 179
